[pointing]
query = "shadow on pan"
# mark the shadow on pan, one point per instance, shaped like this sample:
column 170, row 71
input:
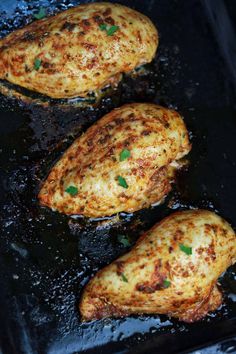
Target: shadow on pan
column 47, row 258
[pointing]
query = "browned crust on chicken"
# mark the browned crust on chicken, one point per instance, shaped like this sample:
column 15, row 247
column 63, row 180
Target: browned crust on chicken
column 158, row 277
column 76, row 55
column 156, row 139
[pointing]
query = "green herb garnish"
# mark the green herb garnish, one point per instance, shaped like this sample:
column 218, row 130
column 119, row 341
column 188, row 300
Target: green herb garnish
column 37, row 63
column 124, row 240
column 110, row 31
column 124, row 154
column 41, row 14
column 72, row 190
column 185, row 249
column 122, row 182
column 123, row 277
column 103, row 27
column 166, row 283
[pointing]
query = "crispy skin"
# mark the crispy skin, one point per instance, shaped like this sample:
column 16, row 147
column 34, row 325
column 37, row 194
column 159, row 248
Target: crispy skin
column 77, row 56
column 156, row 137
column 157, row 256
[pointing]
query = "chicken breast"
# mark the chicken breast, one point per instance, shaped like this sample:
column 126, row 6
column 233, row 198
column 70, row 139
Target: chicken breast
column 79, row 50
column 172, row 269
column 124, row 162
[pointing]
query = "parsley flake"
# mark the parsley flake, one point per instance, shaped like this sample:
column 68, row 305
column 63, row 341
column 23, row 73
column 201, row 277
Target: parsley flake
column 72, row 190
column 166, row 284
column 123, row 277
column 103, row 27
column 37, row 63
column 185, row 249
column 124, row 154
column 112, row 30
column 122, row 182
column 41, row 14
column 109, row 31
column 124, row 240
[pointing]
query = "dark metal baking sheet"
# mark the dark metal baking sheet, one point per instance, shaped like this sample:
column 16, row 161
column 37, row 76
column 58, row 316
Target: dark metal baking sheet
column 47, row 258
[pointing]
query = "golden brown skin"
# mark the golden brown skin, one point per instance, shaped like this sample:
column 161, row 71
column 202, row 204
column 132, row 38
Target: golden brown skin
column 76, row 55
column 157, row 277
column 156, row 139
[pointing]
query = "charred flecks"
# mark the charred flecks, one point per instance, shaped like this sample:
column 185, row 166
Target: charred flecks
column 211, row 251
column 185, row 274
column 209, row 228
column 127, row 143
column 146, row 288
column 47, row 65
column 178, row 235
column 90, row 142
column 109, row 126
column 119, row 121
column 3, row 47
column 150, row 288
column 29, row 36
column 69, row 26
column 107, row 12
column 104, row 139
column 98, row 19
column 132, row 117
column 146, row 132
column 123, row 196
column 85, row 23
column 110, row 152
column 41, row 42
column 120, row 267
column 89, row 46
column 27, row 69
column 110, row 20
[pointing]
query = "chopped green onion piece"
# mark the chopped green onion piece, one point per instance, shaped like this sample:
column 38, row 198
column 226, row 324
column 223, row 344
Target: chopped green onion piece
column 123, row 277
column 124, row 154
column 112, row 30
column 109, row 31
column 41, row 14
column 185, row 249
column 72, row 190
column 122, row 182
column 37, row 63
column 166, row 284
column 103, row 27
column 124, row 240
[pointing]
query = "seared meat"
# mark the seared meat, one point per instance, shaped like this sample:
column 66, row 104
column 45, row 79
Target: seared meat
column 79, row 50
column 124, row 162
column 173, row 269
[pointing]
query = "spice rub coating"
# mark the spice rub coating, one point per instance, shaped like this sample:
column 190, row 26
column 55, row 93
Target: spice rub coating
column 79, row 50
column 173, row 269
column 123, row 162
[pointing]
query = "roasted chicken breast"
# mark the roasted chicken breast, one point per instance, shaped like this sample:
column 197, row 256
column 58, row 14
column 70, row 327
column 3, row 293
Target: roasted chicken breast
column 124, row 162
column 172, row 269
column 79, row 50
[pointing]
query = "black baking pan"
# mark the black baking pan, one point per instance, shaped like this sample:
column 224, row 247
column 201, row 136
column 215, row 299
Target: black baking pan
column 46, row 258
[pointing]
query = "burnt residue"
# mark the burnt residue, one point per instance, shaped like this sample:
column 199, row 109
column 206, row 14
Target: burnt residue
column 47, row 258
